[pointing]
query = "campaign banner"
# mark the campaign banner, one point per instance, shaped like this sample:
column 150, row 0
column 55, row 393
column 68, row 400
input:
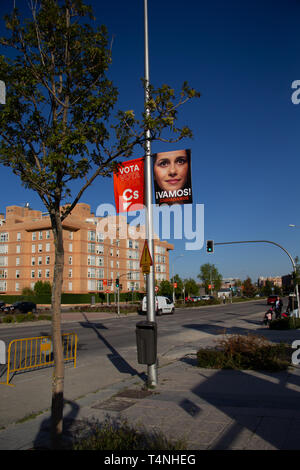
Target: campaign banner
column 172, row 177
column 129, row 185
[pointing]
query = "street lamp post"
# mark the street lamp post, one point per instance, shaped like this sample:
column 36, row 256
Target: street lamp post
column 152, row 368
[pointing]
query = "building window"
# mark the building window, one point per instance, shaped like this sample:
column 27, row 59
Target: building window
column 32, row 248
column 48, row 234
column 91, row 260
column 47, row 273
column 18, row 262
column 70, row 286
column 91, row 248
column 2, row 286
column 91, row 273
column 47, row 259
column 48, row 247
column 70, row 247
column 3, row 249
column 4, row 237
column 17, row 274
column 99, row 249
column 33, row 235
column 40, row 235
column 17, row 286
column 18, row 236
column 70, row 273
column 91, row 236
column 3, row 273
column 39, row 273
column 18, row 249
column 32, row 274
column 40, row 247
column 70, row 260
column 33, row 261
column 40, row 261
column 3, row 260
column 70, row 235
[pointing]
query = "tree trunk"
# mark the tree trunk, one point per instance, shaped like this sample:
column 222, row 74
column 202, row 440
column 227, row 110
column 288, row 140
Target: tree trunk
column 58, row 374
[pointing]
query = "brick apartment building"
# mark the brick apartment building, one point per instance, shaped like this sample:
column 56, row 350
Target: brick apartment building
column 92, row 260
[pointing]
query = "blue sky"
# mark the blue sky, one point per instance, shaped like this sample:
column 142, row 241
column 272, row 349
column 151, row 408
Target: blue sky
column 243, row 58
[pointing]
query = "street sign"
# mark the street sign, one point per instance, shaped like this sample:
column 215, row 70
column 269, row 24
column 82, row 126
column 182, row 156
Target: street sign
column 146, row 260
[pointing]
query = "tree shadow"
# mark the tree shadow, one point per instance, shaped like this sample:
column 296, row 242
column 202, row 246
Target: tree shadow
column 71, row 427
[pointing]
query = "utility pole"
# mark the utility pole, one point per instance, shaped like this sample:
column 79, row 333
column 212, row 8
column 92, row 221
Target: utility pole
column 152, row 369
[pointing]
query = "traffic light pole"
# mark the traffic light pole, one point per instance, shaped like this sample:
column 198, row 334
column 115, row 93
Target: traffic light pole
column 276, row 244
column 152, row 369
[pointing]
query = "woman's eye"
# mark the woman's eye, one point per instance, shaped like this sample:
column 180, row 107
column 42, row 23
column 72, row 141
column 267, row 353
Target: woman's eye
column 181, row 161
column 162, row 163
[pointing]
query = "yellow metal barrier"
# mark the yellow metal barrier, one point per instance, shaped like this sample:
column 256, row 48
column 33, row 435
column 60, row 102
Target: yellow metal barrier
column 30, row 353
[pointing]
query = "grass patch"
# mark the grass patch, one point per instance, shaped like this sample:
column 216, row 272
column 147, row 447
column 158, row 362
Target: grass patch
column 119, row 436
column 251, row 352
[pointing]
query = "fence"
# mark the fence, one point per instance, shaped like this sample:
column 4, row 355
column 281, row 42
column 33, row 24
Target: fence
column 30, row 353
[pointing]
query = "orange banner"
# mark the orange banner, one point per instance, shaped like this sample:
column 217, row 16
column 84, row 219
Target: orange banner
column 129, row 185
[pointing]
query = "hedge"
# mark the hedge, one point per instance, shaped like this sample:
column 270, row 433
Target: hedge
column 100, row 297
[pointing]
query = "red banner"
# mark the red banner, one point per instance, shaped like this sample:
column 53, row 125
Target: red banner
column 129, row 185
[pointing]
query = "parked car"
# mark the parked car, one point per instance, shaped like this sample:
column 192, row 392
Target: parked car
column 2, row 305
column 194, row 298
column 21, row 307
column 162, row 305
column 271, row 299
column 206, row 297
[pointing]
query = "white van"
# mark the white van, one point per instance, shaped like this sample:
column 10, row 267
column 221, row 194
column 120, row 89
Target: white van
column 162, row 305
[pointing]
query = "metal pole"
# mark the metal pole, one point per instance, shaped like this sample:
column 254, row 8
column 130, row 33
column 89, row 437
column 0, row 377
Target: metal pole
column 152, row 369
column 273, row 243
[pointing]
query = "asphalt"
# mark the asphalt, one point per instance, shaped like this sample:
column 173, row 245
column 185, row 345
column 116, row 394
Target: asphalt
column 207, row 409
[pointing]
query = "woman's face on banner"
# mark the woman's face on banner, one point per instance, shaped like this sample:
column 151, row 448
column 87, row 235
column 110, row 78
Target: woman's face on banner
column 171, row 170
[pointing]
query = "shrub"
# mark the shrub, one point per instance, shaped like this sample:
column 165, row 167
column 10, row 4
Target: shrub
column 285, row 323
column 118, row 436
column 8, row 319
column 245, row 352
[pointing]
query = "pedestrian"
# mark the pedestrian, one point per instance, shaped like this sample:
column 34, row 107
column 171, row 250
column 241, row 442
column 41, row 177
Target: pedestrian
column 278, row 307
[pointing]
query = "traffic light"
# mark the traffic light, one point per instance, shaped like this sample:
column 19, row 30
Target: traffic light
column 117, row 282
column 210, row 246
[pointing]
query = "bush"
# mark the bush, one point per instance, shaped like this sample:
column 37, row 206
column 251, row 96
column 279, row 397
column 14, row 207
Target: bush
column 118, row 436
column 245, row 352
column 285, row 324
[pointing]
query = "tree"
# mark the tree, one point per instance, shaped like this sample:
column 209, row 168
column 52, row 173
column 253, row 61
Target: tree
column 57, row 126
column 248, row 288
column 165, row 288
column 41, row 287
column 210, row 275
column 191, row 287
column 178, row 289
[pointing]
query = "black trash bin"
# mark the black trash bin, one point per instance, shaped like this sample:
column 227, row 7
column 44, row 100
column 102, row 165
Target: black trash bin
column 146, row 340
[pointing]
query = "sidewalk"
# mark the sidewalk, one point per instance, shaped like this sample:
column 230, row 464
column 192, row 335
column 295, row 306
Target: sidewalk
column 210, row 409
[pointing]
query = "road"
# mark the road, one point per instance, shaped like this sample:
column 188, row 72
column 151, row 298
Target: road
column 107, row 351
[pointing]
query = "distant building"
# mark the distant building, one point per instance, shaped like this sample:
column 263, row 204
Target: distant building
column 275, row 281
column 92, row 261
